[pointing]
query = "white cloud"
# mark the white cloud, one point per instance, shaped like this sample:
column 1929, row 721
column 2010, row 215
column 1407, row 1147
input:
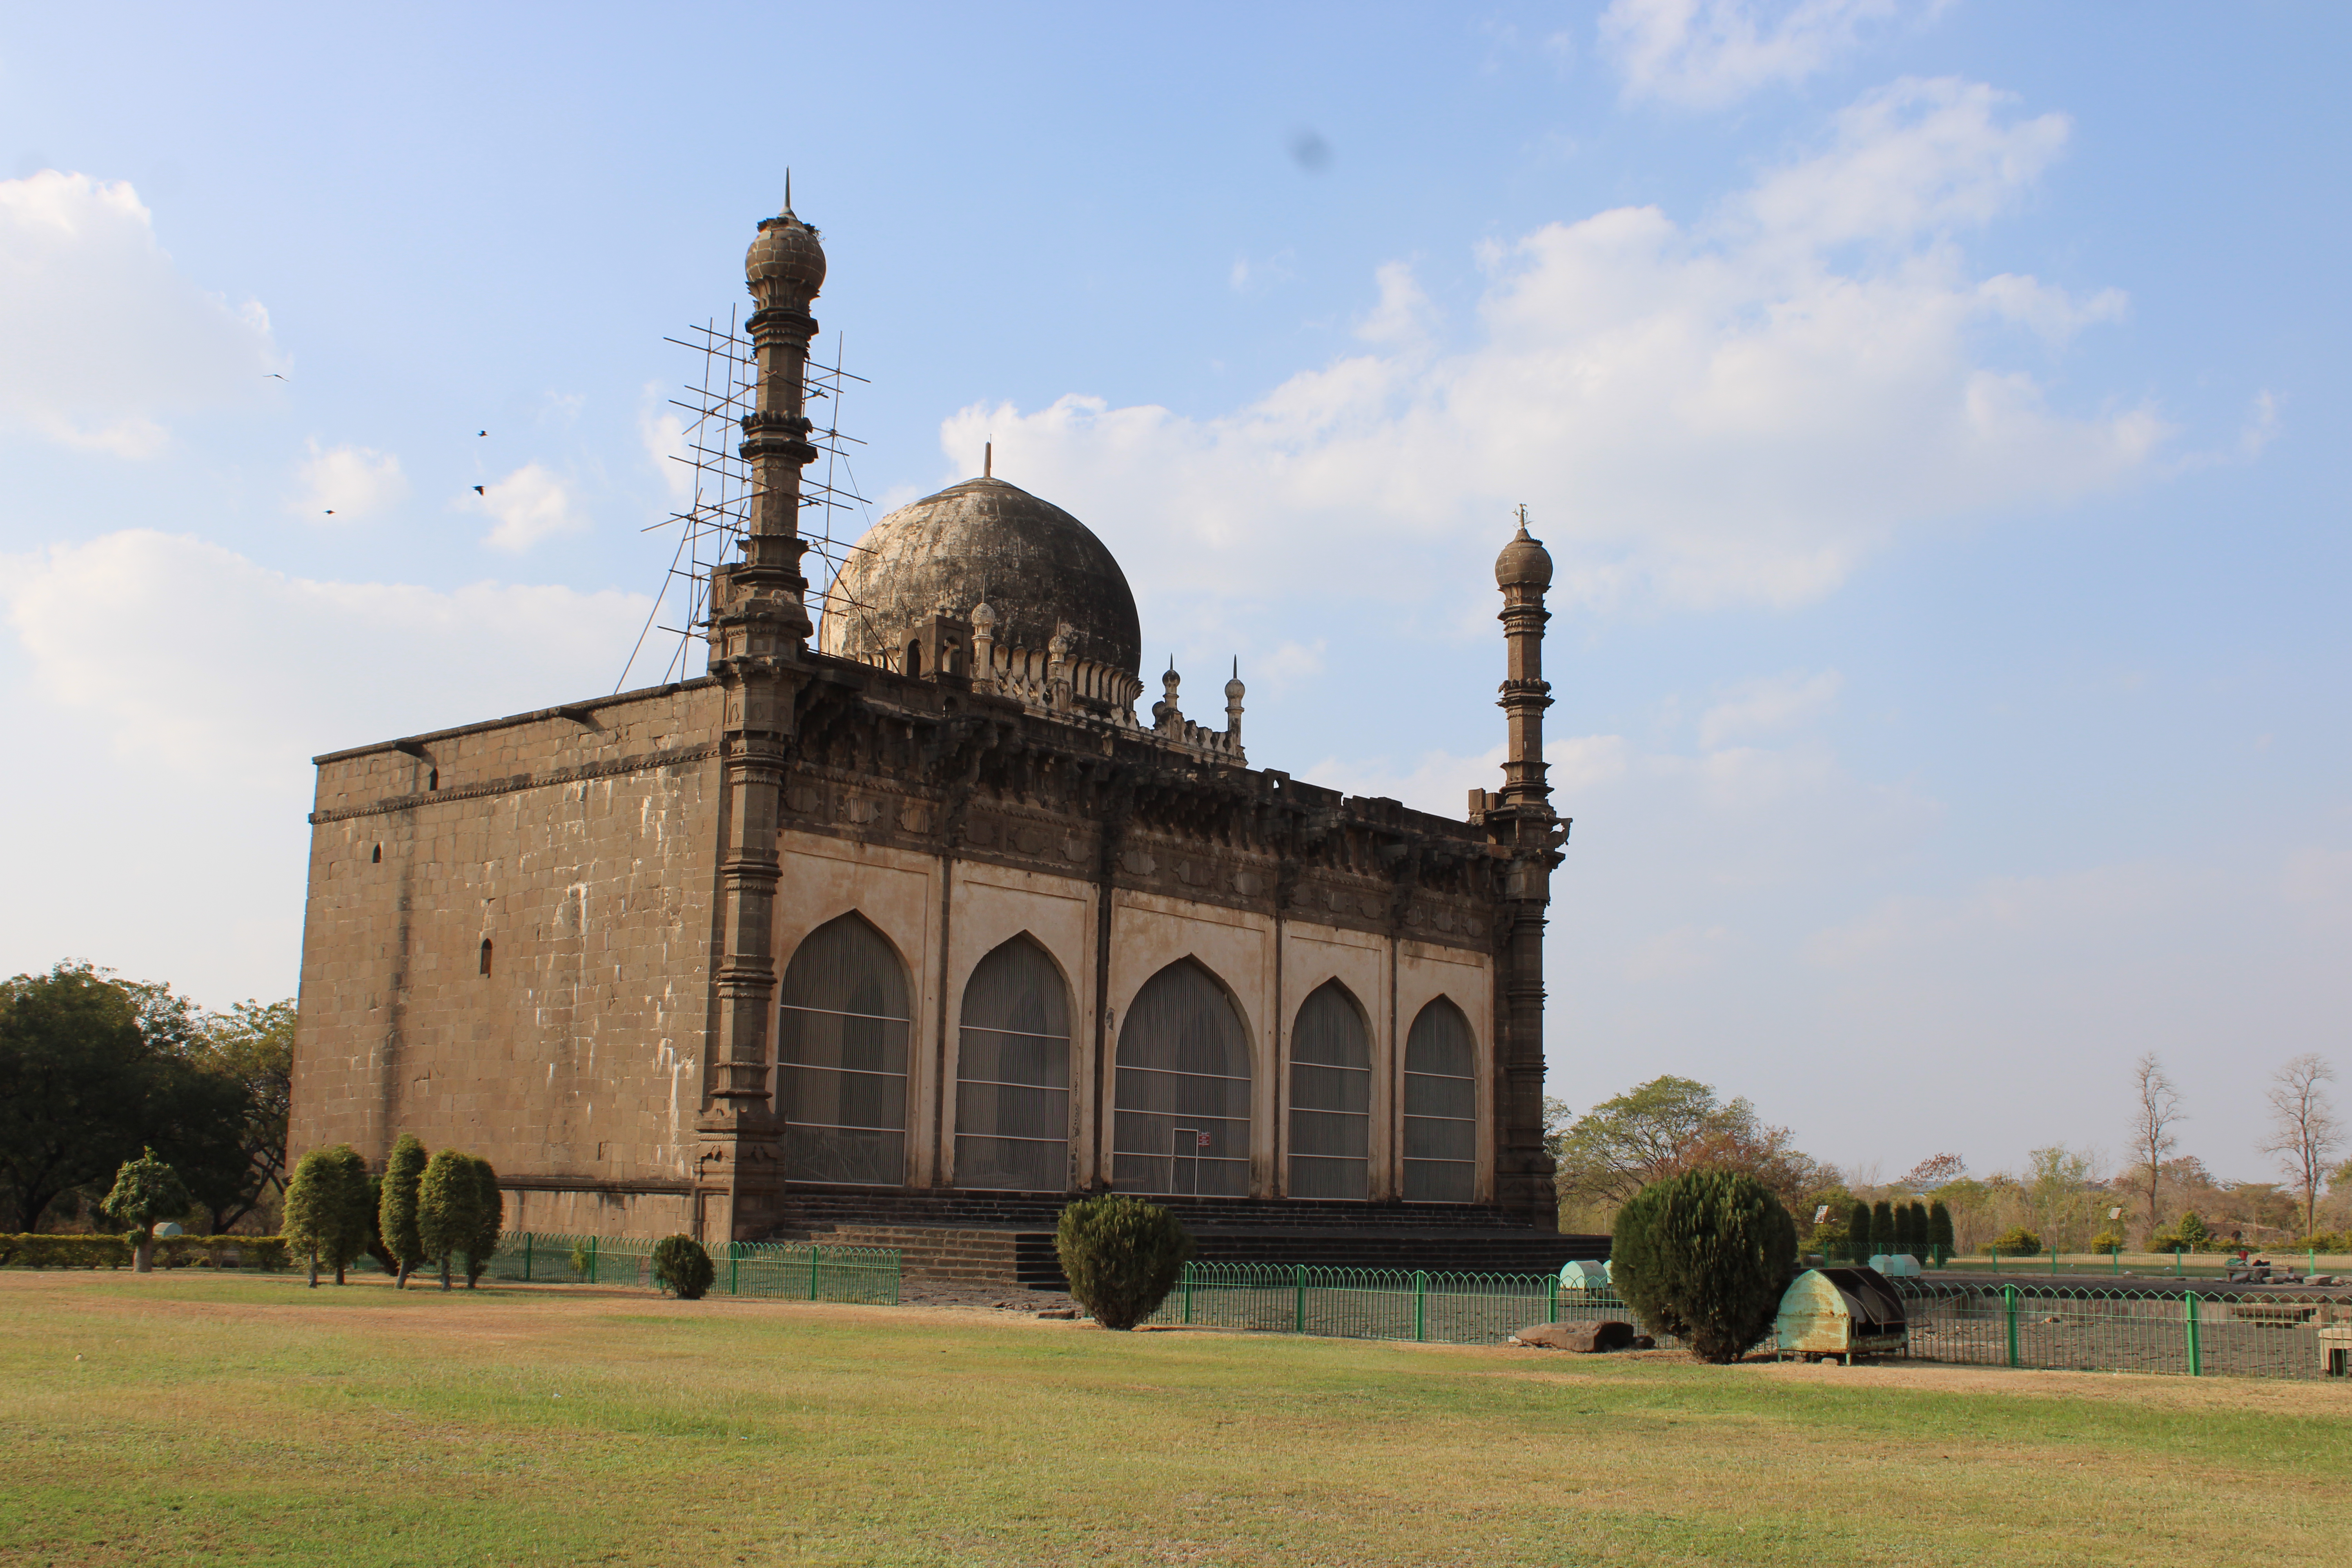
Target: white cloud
column 1706, row 54
column 1740, row 410
column 661, row 430
column 106, row 339
column 196, row 680
column 350, row 482
column 194, row 719
column 529, row 505
column 1765, row 706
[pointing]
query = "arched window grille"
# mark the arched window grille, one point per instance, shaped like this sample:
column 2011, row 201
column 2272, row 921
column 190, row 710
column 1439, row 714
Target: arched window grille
column 841, row 1054
column 1013, row 1074
column 1441, row 1107
column 1330, row 1097
column 1182, row 1095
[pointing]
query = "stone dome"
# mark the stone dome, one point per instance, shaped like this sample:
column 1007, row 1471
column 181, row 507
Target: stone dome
column 1523, row 564
column 983, row 541
column 785, row 261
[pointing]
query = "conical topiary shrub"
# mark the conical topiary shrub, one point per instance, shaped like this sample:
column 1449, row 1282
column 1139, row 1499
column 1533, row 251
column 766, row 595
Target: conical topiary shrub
column 1858, row 1235
column 1705, row 1257
column 1882, row 1228
column 396, row 1216
column 1939, row 1231
column 1121, row 1254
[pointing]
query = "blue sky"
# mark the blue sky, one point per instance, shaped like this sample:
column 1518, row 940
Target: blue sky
column 1936, row 411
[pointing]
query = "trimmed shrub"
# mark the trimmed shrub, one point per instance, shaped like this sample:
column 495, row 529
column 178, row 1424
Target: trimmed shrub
column 1705, row 1257
column 375, row 1247
column 326, row 1209
column 1121, row 1254
column 397, row 1218
column 146, row 1190
column 2016, row 1242
column 1921, row 1244
column 1857, row 1232
column 489, row 1216
column 682, row 1267
column 64, row 1251
column 1939, row 1229
column 1883, row 1235
column 2108, row 1241
column 448, row 1208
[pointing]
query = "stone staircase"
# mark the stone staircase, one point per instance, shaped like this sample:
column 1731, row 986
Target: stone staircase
column 1006, row 1240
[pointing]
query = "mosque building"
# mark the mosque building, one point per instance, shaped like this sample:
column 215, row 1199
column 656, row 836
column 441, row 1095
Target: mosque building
column 905, row 918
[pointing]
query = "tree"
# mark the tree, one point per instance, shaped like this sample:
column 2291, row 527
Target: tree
column 1884, row 1237
column 1705, row 1257
column 1858, row 1231
column 146, row 1190
column 2156, row 1110
column 2304, row 1132
column 327, row 1209
column 250, row 1047
column 92, row 1070
column 1670, row 1125
column 448, row 1208
column 396, row 1216
column 490, row 1219
column 1935, row 1171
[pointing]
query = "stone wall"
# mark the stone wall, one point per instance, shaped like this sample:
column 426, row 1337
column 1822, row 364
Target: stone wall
column 569, row 854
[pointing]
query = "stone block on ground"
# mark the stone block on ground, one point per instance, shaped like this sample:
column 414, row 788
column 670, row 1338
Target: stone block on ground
column 1584, row 1338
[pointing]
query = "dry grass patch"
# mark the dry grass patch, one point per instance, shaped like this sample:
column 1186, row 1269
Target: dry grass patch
column 252, row 1421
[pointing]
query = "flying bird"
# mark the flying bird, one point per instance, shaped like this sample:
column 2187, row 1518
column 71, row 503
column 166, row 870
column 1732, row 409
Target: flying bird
column 481, row 432
column 272, row 375
column 478, row 489
column 331, row 512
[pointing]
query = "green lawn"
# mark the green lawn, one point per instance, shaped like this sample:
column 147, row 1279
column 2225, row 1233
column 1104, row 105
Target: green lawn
column 248, row 1420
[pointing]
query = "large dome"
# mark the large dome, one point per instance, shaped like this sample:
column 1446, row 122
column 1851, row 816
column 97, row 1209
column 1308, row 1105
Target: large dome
column 1034, row 564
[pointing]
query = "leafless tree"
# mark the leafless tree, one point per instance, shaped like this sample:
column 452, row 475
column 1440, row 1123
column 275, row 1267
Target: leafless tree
column 2157, row 1108
column 2303, row 1130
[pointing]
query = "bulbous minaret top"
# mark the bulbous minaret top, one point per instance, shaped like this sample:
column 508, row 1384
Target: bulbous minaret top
column 785, row 264
column 1523, row 562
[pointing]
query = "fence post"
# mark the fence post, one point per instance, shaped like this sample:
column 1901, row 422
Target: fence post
column 1552, row 1303
column 2177, row 1272
column 2009, row 1300
column 526, row 1257
column 734, row 1267
column 591, row 1261
column 815, row 1252
column 1420, row 1305
column 2054, row 1262
column 2195, row 1345
column 1299, row 1285
column 2115, row 1260
column 1188, row 1292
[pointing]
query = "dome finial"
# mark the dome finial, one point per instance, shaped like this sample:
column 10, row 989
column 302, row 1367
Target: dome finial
column 788, row 190
column 988, row 459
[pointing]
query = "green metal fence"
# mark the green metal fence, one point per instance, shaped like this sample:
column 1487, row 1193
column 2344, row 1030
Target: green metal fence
column 1375, row 1303
column 2200, row 1333
column 2118, row 1264
column 786, row 1271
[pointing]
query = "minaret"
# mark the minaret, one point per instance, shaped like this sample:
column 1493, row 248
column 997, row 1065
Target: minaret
column 1235, row 691
column 758, row 633
column 1529, row 832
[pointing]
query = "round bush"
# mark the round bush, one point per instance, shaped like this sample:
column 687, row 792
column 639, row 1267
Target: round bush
column 1705, row 1257
column 682, row 1267
column 1121, row 1254
column 2018, row 1242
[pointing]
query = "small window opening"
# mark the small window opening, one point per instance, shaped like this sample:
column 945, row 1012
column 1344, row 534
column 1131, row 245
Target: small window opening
column 375, row 856
column 914, row 658
column 486, row 955
column 433, row 779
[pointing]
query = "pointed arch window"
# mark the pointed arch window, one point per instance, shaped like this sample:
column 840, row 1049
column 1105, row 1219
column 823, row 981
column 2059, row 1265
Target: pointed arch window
column 841, row 1057
column 1013, row 1074
column 1182, row 1097
column 1330, row 1097
column 1441, row 1107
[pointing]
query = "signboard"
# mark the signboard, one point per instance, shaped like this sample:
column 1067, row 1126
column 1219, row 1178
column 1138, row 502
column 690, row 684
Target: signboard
column 1200, row 1140
column 1820, row 1213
